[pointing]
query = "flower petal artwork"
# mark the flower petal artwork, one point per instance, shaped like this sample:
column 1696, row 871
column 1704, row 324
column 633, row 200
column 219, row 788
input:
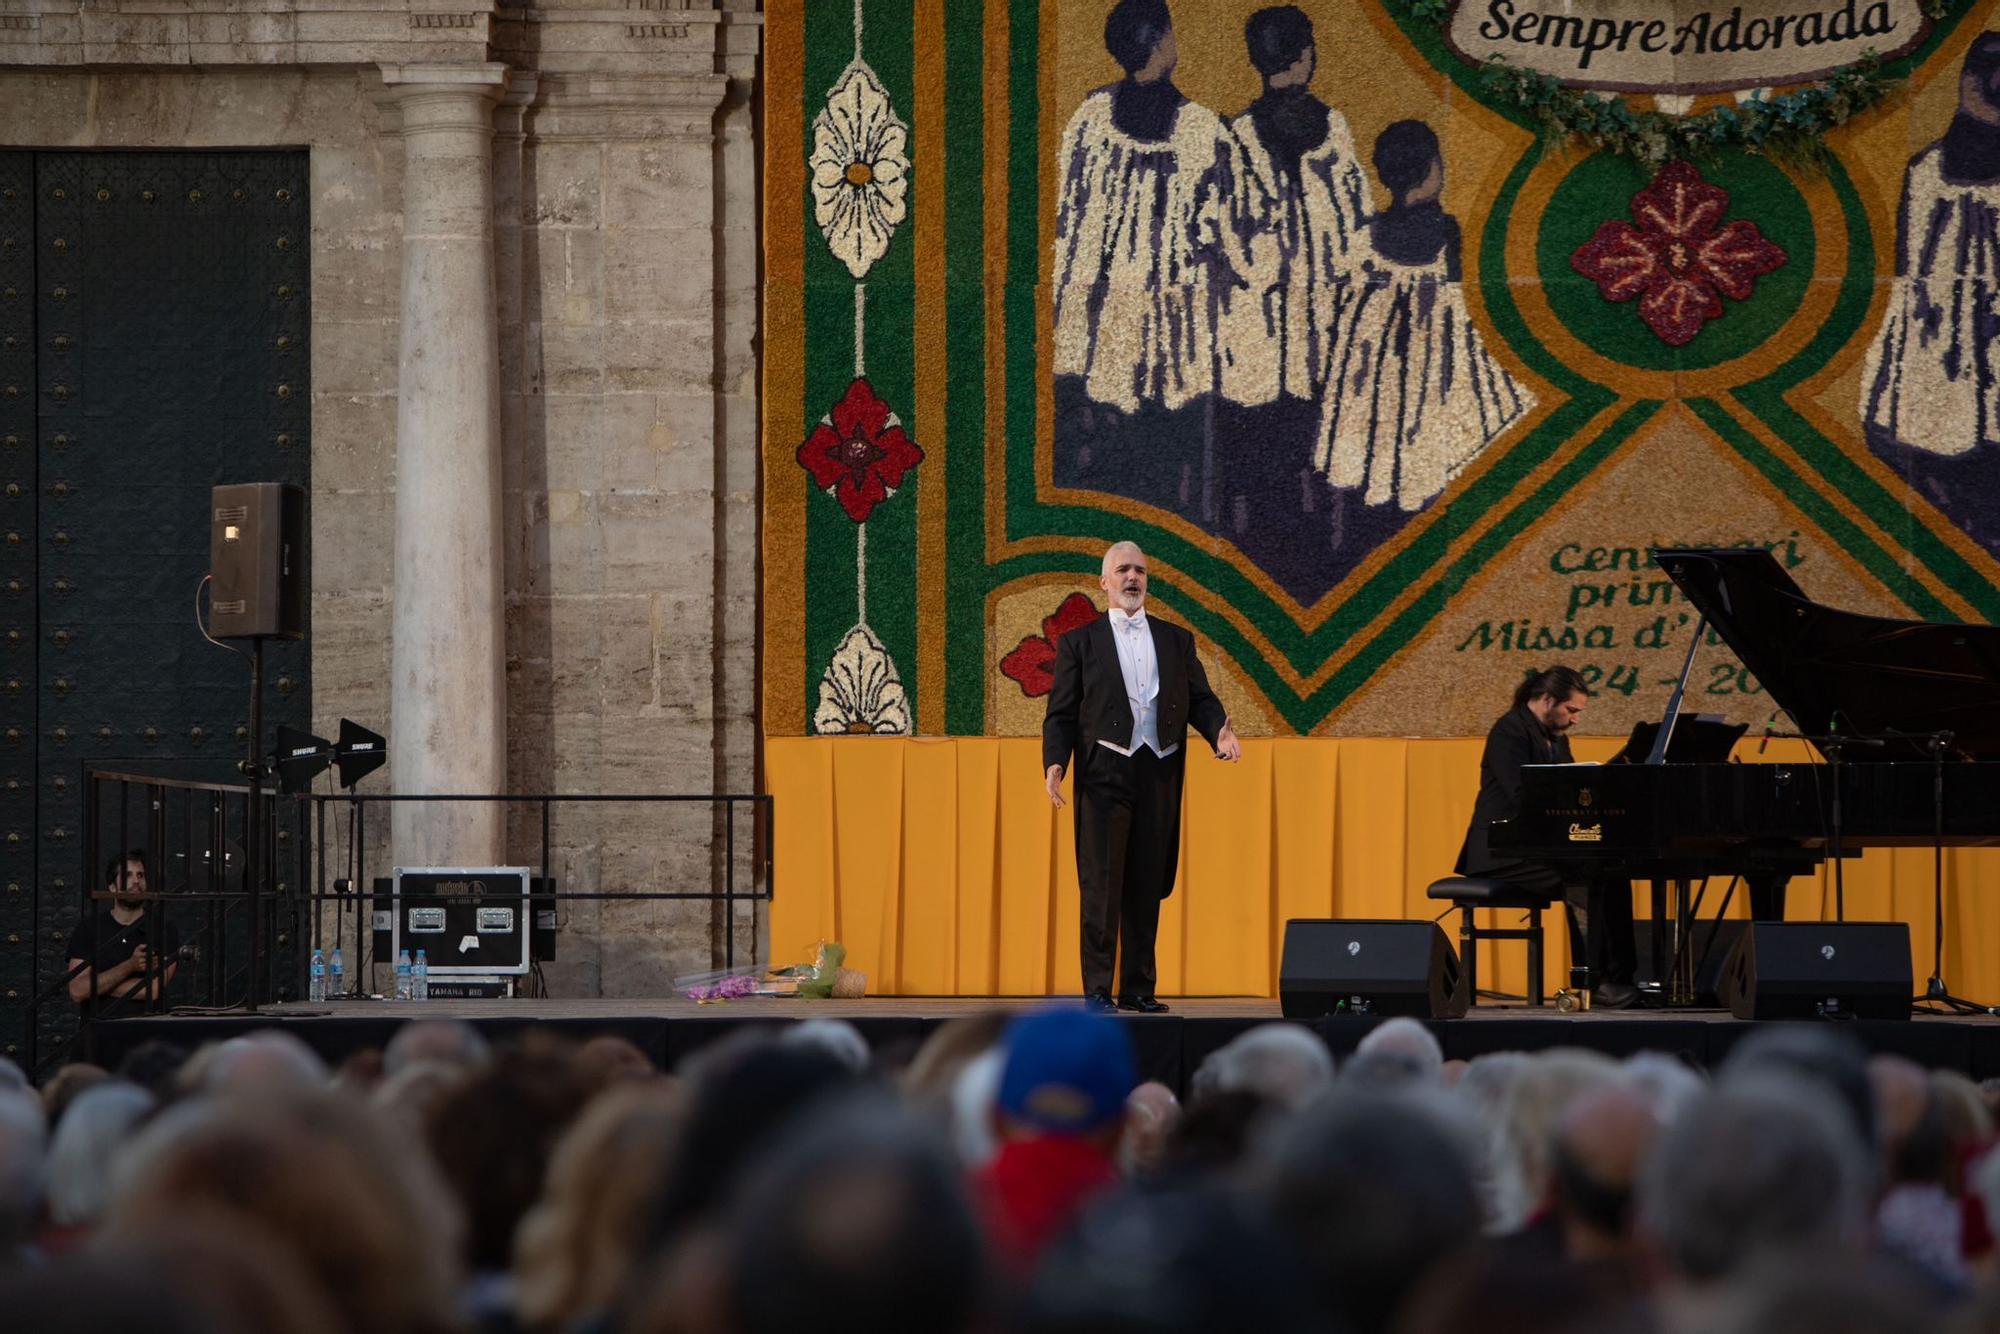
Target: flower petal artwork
column 1032, row 663
column 1681, row 258
column 860, row 692
column 860, row 169
column 859, row 452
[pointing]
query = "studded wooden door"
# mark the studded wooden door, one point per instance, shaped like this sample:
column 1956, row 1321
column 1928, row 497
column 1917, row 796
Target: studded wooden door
column 154, row 316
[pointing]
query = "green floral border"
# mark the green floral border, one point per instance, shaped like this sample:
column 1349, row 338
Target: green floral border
column 1789, row 128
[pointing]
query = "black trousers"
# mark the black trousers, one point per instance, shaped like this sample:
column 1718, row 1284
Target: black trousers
column 1608, row 945
column 1128, row 833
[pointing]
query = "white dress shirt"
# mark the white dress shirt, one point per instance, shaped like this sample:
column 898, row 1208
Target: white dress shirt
column 1140, row 666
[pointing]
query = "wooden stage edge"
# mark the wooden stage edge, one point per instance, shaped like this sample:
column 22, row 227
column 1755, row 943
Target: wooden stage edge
column 1169, row 1047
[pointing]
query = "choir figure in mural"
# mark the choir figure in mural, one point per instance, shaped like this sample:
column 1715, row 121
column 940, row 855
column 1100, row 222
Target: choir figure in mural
column 1413, row 395
column 1293, row 235
column 1143, row 173
column 1930, row 390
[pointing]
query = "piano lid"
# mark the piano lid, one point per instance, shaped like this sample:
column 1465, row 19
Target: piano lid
column 1840, row 671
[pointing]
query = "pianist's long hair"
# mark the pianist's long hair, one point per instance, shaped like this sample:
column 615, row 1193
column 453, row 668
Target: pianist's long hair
column 1559, row 683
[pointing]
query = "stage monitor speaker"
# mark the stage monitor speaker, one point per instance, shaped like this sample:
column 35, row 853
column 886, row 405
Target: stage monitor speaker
column 1803, row 970
column 257, row 555
column 1708, row 981
column 1369, row 967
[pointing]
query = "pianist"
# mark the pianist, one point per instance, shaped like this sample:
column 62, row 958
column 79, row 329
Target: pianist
column 1536, row 731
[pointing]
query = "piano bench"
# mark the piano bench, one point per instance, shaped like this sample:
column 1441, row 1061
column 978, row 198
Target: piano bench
column 1471, row 892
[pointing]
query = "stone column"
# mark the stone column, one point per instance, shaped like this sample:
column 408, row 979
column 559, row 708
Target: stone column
column 448, row 705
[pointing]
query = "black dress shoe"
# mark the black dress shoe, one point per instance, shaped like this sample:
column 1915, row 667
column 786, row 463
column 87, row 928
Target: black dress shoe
column 1098, row 1000
column 1143, row 1004
column 1613, row 996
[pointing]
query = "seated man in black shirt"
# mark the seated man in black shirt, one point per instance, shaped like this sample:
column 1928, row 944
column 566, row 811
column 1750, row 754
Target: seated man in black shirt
column 135, row 955
column 1536, row 731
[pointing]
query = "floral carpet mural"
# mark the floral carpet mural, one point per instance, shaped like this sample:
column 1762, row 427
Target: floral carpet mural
column 1394, row 380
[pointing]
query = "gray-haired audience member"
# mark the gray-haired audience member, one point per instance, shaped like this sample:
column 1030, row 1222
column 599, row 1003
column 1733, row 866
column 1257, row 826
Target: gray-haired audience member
column 1284, row 1064
column 1387, row 1071
column 859, row 1222
column 445, row 1041
column 1664, row 1081
column 1407, row 1037
column 1756, row 1169
column 11, row 1077
column 1818, row 1052
column 97, row 1125
column 268, row 1061
column 973, row 1092
column 1374, row 1191
column 23, row 1146
column 836, row 1037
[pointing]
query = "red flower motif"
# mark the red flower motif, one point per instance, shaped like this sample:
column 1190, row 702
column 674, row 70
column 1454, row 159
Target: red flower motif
column 1680, row 256
column 1033, row 659
column 859, row 452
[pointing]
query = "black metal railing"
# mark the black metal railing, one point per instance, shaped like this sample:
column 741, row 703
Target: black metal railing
column 256, row 914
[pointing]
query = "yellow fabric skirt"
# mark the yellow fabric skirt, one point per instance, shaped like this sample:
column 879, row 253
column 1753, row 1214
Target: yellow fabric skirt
column 942, row 867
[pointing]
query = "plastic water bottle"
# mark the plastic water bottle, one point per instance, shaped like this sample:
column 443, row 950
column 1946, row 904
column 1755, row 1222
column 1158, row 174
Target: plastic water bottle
column 316, row 986
column 420, row 978
column 403, row 975
column 336, row 977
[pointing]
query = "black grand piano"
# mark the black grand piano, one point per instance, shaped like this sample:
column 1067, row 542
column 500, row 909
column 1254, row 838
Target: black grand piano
column 1904, row 714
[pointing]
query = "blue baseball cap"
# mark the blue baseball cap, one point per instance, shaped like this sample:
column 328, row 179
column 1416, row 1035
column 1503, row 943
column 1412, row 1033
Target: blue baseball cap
column 1067, row 1071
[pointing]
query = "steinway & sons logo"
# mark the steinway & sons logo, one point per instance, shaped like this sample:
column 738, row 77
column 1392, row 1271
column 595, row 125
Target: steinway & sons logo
column 1683, row 46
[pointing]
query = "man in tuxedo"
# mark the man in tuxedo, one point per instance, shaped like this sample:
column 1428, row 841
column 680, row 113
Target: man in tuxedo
column 1536, row 731
column 1127, row 686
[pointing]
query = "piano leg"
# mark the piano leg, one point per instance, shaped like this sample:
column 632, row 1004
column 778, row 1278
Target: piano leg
column 1682, row 990
column 1658, row 944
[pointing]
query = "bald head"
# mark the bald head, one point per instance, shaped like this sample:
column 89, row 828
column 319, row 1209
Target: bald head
column 1124, row 577
column 1601, row 1139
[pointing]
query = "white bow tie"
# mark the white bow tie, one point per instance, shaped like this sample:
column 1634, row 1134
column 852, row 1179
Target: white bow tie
column 1135, row 621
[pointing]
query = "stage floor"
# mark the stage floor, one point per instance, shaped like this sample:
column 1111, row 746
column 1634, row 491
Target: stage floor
column 1170, row 1047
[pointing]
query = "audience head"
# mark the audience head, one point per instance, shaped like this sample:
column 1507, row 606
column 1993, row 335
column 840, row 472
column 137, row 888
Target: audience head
column 12, row 1080
column 1757, row 1168
column 1600, row 1141
column 65, row 1084
column 23, row 1149
column 857, row 1224
column 270, row 1061
column 100, row 1122
column 1066, row 1071
column 744, row 1094
column 932, row 1074
column 442, row 1041
column 1909, row 1123
column 1406, row 1037
column 973, row 1093
column 607, row 1060
column 491, row 1135
column 1665, row 1082
column 1819, row 1052
column 575, row 1249
column 1968, row 1124
column 361, row 1209
column 1151, row 1113
column 1540, row 1092
column 1284, row 1064
column 154, row 1065
column 1374, row 1190
column 836, row 1037
column 1181, row 1261
column 1823, row 1294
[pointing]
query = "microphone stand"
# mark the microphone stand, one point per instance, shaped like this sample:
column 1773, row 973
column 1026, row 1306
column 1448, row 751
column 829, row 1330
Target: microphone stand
column 1935, row 989
column 1834, row 745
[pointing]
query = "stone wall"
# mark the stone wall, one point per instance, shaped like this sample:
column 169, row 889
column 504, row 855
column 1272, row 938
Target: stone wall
column 625, row 263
